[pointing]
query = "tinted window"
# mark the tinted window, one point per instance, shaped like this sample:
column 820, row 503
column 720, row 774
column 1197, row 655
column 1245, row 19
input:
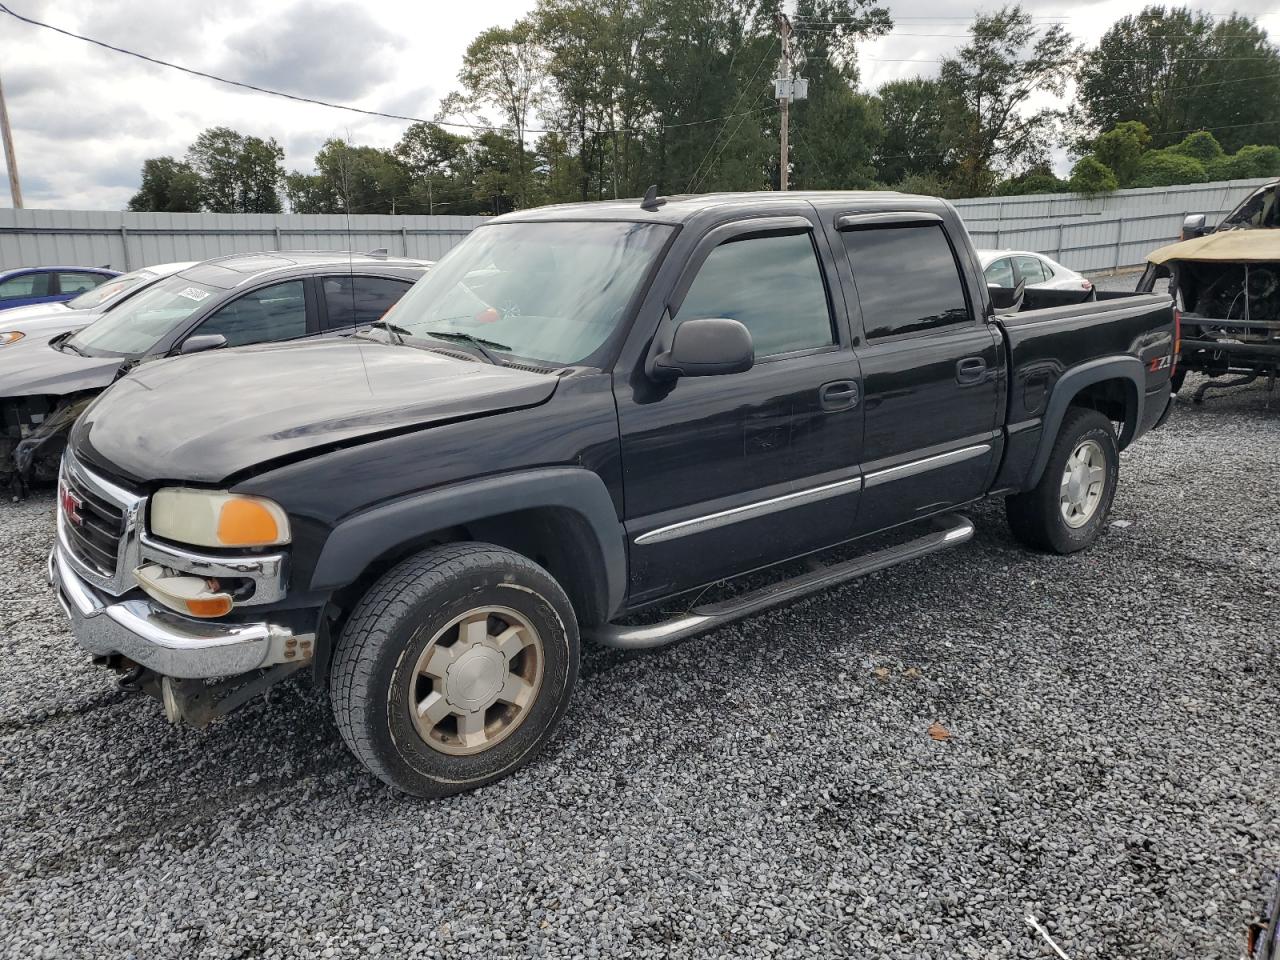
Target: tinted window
column 25, row 285
column 277, row 312
column 907, row 279
column 1031, row 269
column 356, row 300
column 772, row 285
column 77, row 283
column 1001, row 273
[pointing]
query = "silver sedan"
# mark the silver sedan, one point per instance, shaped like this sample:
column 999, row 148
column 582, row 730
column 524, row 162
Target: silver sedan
column 1048, row 283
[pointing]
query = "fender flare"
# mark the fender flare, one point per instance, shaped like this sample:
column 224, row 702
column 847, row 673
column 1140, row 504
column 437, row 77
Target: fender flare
column 361, row 539
column 1129, row 369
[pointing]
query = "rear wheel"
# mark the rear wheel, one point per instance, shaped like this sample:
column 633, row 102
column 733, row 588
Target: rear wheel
column 1067, row 509
column 454, row 668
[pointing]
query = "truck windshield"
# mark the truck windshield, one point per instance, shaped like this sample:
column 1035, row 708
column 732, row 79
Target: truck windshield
column 137, row 325
column 1260, row 210
column 551, row 291
column 99, row 295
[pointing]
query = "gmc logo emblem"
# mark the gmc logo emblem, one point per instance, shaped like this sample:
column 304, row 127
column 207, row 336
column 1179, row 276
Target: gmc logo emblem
column 71, row 505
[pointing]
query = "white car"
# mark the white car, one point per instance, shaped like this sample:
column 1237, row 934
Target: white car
column 1048, row 283
column 54, row 318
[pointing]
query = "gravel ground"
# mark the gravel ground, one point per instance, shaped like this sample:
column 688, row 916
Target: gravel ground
column 770, row 789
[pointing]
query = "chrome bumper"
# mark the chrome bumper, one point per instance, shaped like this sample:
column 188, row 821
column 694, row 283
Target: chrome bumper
column 163, row 641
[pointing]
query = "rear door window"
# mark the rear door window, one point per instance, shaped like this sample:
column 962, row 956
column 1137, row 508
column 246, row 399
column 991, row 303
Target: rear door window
column 78, row 283
column 277, row 312
column 772, row 285
column 354, row 301
column 907, row 278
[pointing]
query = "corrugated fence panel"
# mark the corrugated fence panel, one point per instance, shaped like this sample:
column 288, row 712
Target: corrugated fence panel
column 125, row 240
column 1085, row 233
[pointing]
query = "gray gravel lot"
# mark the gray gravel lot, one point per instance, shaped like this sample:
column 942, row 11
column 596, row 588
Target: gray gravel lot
column 767, row 790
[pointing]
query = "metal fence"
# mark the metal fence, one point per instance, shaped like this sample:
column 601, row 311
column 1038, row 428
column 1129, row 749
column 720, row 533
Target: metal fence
column 1096, row 234
column 1099, row 234
column 126, row 241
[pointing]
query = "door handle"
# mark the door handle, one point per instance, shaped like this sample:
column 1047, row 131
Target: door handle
column 839, row 395
column 971, row 369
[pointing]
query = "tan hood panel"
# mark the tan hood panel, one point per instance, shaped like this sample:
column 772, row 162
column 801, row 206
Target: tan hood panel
column 1230, row 246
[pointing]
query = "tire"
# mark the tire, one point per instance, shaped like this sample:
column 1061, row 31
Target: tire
column 382, row 669
column 1038, row 517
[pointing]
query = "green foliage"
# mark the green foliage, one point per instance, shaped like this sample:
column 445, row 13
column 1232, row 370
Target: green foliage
column 168, row 185
column 1201, row 145
column 928, row 185
column 1091, row 177
column 990, row 82
column 1121, row 147
column 1175, row 69
column 1036, row 180
column 1247, row 162
column 914, row 116
column 238, row 174
column 1165, row 168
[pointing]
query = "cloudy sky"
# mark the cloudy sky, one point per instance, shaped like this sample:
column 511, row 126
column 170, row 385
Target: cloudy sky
column 85, row 118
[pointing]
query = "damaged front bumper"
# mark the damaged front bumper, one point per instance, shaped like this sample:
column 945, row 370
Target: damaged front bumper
column 164, row 642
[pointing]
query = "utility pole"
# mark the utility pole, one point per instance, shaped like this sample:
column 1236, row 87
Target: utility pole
column 10, row 159
column 784, row 96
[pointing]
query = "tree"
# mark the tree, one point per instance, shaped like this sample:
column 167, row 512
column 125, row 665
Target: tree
column 505, row 68
column 1040, row 179
column 1177, row 70
column 1201, row 145
column 992, row 78
column 1092, row 177
column 168, row 185
column 914, row 116
column 1121, row 149
column 1166, row 168
column 239, row 174
column 311, row 193
column 1252, row 160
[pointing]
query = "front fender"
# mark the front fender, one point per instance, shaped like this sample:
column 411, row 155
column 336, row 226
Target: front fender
column 360, row 540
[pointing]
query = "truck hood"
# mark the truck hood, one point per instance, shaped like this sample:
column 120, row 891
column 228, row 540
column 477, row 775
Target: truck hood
column 204, row 418
column 34, row 366
column 1257, row 245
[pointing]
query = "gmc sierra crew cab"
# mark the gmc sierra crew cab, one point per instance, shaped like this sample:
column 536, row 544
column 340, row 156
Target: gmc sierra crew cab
column 585, row 412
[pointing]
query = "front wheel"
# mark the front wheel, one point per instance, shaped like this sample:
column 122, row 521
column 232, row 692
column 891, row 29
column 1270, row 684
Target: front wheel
column 1067, row 509
column 454, row 668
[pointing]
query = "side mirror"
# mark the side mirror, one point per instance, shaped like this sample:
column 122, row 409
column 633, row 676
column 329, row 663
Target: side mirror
column 202, row 342
column 705, row 348
column 1194, row 226
column 1006, row 299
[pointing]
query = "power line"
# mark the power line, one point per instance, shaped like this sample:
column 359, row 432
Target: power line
column 297, row 98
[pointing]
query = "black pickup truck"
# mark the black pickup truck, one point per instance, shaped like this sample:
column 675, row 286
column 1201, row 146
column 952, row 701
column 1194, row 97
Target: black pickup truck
column 582, row 412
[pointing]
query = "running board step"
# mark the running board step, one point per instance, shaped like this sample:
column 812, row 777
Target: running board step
column 955, row 529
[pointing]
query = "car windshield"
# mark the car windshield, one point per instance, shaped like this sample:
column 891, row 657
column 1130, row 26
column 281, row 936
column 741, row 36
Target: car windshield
column 1260, row 210
column 552, row 292
column 140, row 322
column 103, row 293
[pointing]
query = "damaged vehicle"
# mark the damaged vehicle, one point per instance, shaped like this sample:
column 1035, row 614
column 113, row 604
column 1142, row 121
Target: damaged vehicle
column 62, row 316
column 584, row 416
column 1226, row 282
column 47, row 380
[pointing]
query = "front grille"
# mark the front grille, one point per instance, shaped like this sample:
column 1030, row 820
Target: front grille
column 98, row 526
column 95, row 539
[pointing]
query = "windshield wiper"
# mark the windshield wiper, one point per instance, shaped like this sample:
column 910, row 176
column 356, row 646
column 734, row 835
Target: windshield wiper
column 392, row 328
column 66, row 343
column 478, row 342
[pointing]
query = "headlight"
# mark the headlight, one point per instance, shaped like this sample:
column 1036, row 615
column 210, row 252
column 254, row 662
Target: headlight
column 209, row 518
column 10, row 336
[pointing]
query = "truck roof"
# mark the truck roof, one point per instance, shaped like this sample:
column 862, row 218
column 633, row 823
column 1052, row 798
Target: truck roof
column 679, row 208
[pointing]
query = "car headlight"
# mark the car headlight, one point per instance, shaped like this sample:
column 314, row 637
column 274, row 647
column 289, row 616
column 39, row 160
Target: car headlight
column 10, row 336
column 211, row 518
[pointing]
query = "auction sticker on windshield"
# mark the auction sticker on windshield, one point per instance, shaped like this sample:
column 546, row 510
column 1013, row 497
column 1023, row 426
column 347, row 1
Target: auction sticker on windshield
column 193, row 293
